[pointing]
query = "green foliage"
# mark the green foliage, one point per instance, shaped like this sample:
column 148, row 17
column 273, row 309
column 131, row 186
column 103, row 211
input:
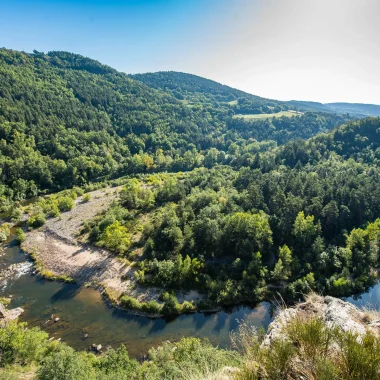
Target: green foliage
column 171, row 306
column 189, row 357
column 282, row 269
column 89, row 122
column 360, row 357
column 20, row 235
column 116, row 237
column 116, row 363
column 36, row 221
column 307, row 346
column 130, row 303
column 21, row 345
column 134, row 196
column 65, row 203
column 65, row 364
column 4, row 232
column 16, row 214
column 245, row 233
column 86, row 197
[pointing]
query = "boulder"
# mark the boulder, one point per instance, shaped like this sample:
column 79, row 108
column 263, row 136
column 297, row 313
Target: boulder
column 2, row 311
column 333, row 311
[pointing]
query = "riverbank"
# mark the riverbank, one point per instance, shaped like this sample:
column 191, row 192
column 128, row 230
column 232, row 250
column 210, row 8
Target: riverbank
column 60, row 255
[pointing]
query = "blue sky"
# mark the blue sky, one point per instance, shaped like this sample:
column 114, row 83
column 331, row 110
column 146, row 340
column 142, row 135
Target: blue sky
column 325, row 50
column 131, row 35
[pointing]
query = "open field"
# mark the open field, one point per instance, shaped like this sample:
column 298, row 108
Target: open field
column 269, row 115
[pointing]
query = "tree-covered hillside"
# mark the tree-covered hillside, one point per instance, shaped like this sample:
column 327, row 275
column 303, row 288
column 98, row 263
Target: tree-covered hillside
column 66, row 120
column 299, row 217
column 197, row 90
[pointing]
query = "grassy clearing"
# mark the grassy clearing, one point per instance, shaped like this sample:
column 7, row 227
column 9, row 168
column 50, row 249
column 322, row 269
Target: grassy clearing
column 270, row 115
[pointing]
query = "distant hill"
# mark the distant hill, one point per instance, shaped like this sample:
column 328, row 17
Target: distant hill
column 193, row 89
column 309, row 106
column 355, row 109
column 181, row 84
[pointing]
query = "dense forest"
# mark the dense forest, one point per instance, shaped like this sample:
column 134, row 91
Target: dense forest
column 66, row 120
column 301, row 217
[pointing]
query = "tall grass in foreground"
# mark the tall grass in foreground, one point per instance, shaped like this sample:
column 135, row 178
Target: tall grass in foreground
column 306, row 349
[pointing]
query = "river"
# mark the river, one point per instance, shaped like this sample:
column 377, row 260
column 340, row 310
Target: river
column 82, row 311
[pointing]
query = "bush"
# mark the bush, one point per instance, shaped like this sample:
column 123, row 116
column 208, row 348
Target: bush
column 54, row 211
column 36, row 221
column 66, row 364
column 65, row 203
column 130, row 303
column 118, row 364
column 171, row 305
column 86, row 197
column 187, row 307
column 21, row 345
column 190, row 358
column 151, row 307
column 20, row 236
column 360, row 359
column 4, row 232
column 16, row 214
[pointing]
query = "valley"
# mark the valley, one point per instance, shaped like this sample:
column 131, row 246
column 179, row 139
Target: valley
column 143, row 208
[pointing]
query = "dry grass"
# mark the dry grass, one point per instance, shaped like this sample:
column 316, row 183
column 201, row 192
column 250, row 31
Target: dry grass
column 269, row 115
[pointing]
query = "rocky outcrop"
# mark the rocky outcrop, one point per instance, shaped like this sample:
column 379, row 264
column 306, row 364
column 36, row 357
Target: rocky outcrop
column 333, row 311
column 9, row 315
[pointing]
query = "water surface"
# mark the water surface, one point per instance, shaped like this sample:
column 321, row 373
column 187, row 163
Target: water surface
column 82, row 311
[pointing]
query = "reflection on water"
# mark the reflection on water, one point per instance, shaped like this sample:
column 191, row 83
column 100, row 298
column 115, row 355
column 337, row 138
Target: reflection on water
column 82, row 311
column 370, row 299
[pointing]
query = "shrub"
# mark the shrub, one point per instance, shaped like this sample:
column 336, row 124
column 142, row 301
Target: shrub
column 4, row 232
column 190, row 358
column 187, row 307
column 20, row 236
column 118, row 364
column 86, row 197
column 130, row 303
column 171, row 305
column 36, row 220
column 151, row 307
column 54, row 211
column 360, row 359
column 21, row 345
column 66, row 364
column 16, row 214
column 65, row 203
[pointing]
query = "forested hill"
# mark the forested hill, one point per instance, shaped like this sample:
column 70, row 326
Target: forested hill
column 194, row 89
column 66, row 120
column 183, row 83
column 300, row 217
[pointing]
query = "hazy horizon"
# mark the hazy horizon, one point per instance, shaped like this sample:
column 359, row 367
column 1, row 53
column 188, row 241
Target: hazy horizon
column 325, row 51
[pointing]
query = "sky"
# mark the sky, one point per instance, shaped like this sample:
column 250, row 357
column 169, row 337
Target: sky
column 317, row 50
